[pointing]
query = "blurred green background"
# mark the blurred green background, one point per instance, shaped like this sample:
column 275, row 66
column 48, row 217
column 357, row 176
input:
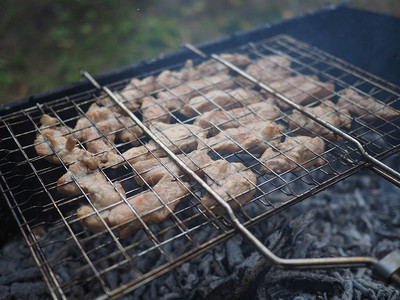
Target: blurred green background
column 43, row 43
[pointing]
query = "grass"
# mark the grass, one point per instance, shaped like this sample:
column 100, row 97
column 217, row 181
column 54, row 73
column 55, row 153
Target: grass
column 44, row 43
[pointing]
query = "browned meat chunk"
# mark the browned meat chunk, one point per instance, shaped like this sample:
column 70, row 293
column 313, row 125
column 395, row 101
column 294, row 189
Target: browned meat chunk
column 178, row 138
column 174, row 98
column 253, row 137
column 147, row 84
column 213, row 66
column 101, row 121
column 232, row 181
column 294, row 152
column 154, row 169
column 170, row 79
column 368, row 108
column 302, row 89
column 58, row 140
column 94, row 182
column 152, row 207
column 268, row 68
column 256, row 112
column 152, row 111
column 131, row 95
column 190, row 72
column 100, row 191
column 326, row 111
column 217, row 98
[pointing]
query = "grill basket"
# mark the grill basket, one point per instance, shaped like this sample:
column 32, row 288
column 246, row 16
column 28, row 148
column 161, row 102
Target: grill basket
column 48, row 219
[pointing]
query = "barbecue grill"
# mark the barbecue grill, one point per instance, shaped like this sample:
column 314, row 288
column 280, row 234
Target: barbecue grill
column 48, row 219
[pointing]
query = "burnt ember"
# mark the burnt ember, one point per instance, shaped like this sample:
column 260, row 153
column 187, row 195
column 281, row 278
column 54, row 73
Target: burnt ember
column 357, row 216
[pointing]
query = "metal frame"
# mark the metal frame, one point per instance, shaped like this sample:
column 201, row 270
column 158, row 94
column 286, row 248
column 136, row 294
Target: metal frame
column 382, row 268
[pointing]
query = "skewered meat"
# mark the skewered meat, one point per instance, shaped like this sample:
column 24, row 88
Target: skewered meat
column 366, row 107
column 267, row 69
column 178, row 138
column 232, row 181
column 326, row 111
column 62, row 143
column 253, row 137
column 302, row 89
column 225, row 99
column 260, row 111
column 299, row 150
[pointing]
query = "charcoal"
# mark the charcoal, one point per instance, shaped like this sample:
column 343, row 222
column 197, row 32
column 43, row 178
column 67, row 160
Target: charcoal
column 284, row 284
column 19, row 275
column 77, row 292
column 233, row 252
column 172, row 296
column 239, row 283
column 358, row 216
column 33, row 290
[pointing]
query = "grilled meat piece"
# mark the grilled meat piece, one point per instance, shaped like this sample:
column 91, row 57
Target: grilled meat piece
column 212, row 66
column 260, row 111
column 94, row 182
column 147, row 85
column 209, row 67
column 147, row 204
column 302, row 89
column 253, row 137
column 326, row 111
column 152, row 206
column 152, row 112
column 178, row 138
column 232, row 181
column 225, row 99
column 174, row 98
column 299, row 150
column 154, row 169
column 100, row 122
column 131, row 95
column 56, row 139
column 267, row 69
column 368, row 108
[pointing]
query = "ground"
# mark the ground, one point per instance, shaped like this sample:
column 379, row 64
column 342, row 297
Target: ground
column 44, row 43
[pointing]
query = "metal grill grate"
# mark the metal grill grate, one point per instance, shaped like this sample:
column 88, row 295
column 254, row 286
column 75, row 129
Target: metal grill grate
column 49, row 219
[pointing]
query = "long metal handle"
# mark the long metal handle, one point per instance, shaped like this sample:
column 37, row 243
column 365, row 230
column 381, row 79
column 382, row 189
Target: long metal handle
column 307, row 263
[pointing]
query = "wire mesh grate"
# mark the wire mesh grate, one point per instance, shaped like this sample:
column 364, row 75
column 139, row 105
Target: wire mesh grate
column 69, row 254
